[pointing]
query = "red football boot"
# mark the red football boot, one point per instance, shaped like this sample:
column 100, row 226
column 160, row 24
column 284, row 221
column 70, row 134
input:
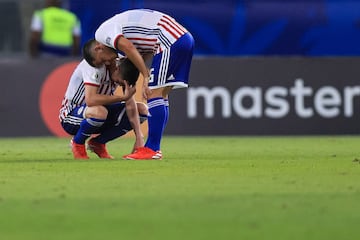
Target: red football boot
column 99, row 149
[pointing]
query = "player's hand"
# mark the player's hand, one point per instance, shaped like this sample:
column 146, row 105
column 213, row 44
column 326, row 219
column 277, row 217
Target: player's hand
column 146, row 92
column 129, row 91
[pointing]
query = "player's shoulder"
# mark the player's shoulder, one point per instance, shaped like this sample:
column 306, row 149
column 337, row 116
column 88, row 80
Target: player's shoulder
column 89, row 70
column 86, row 66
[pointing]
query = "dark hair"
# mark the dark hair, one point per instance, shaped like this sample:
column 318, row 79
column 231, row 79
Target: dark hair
column 87, row 52
column 128, row 71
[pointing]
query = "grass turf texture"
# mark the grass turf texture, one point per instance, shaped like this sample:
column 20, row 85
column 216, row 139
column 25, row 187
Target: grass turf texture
column 205, row 188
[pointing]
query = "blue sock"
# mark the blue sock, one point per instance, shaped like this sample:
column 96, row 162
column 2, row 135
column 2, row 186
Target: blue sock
column 156, row 120
column 87, row 127
column 167, row 113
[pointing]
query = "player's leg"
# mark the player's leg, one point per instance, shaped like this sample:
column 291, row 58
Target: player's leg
column 156, row 119
column 158, row 113
column 97, row 144
column 165, row 94
column 169, row 69
column 81, row 123
column 74, row 124
column 116, row 125
column 112, row 127
column 179, row 68
column 94, row 118
column 71, row 124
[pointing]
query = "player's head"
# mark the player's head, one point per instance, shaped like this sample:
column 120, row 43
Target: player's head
column 97, row 54
column 128, row 71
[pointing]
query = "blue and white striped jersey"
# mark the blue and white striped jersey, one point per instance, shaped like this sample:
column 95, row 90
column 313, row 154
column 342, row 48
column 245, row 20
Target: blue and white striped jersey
column 84, row 74
column 150, row 31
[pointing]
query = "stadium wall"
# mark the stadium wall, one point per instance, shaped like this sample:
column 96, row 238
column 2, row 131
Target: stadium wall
column 227, row 96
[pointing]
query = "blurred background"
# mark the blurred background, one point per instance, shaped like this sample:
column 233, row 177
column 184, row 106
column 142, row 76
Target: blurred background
column 261, row 67
column 225, row 28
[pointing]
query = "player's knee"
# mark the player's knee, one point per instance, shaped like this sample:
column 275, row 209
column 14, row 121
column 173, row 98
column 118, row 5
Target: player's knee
column 99, row 112
column 142, row 108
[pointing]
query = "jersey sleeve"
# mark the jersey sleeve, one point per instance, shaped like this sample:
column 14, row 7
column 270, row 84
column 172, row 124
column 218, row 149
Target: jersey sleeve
column 93, row 76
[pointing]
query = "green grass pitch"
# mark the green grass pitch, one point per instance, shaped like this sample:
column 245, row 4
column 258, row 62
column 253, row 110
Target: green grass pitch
column 205, row 188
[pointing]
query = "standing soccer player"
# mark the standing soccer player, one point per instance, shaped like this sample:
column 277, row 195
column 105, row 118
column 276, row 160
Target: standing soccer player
column 145, row 35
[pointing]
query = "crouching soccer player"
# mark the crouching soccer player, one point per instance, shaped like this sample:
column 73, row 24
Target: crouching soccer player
column 90, row 109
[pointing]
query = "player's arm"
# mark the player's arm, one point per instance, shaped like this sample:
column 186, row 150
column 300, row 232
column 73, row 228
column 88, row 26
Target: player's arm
column 133, row 54
column 92, row 98
column 133, row 115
